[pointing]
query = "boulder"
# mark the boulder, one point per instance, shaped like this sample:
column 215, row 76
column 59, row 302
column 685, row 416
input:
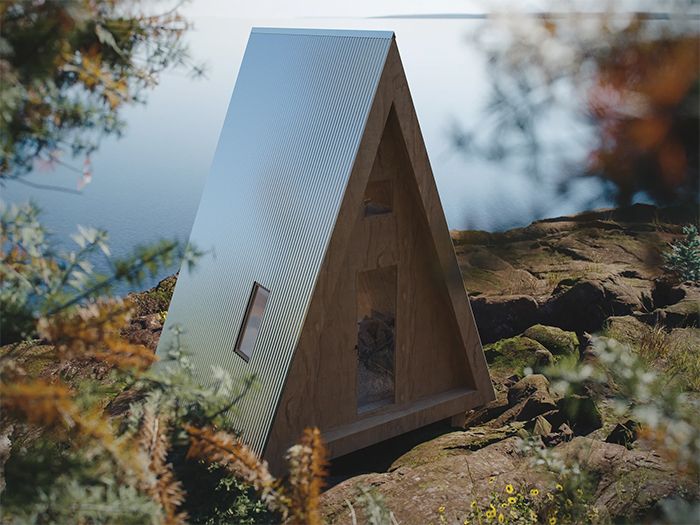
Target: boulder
column 516, row 353
column 562, row 434
column 155, row 300
column 533, row 384
column 685, row 313
column 626, row 483
column 556, row 340
column 528, row 398
column 589, row 354
column 541, row 427
column 414, row 493
column 582, row 307
column 488, row 412
column 626, row 295
column 455, row 444
column 144, row 330
column 498, row 317
column 666, row 292
column 629, row 482
column 624, row 433
column 624, row 328
column 675, row 305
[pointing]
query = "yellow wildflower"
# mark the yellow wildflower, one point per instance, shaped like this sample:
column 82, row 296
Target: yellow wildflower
column 441, row 509
column 579, row 492
column 465, row 522
column 512, row 500
column 533, row 515
column 492, row 479
column 553, row 521
column 509, row 488
column 550, row 496
column 559, row 487
column 473, row 503
column 568, row 502
column 491, row 513
column 534, row 492
column 504, row 505
column 501, row 518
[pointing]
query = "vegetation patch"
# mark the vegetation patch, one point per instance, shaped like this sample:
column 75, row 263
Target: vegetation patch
column 556, row 340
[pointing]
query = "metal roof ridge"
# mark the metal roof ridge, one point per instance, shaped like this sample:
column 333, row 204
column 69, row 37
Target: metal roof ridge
column 359, row 33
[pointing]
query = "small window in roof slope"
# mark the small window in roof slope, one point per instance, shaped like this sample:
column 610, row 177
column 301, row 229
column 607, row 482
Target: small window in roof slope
column 252, row 320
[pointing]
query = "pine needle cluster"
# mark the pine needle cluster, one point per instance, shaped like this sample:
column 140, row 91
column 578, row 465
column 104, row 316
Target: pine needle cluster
column 70, row 459
column 683, row 258
column 307, row 469
column 298, row 499
column 93, row 332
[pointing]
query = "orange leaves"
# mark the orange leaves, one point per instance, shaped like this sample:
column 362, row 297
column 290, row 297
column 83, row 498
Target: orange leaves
column 52, row 406
column 671, row 72
column 162, row 486
column 90, row 71
column 93, row 332
column 231, row 453
column 307, row 470
column 39, row 402
column 111, row 83
column 638, row 98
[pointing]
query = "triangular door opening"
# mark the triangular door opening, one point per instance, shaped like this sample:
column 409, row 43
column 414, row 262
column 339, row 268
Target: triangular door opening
column 416, row 331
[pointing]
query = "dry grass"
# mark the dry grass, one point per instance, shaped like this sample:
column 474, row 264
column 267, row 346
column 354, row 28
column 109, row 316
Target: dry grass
column 674, row 353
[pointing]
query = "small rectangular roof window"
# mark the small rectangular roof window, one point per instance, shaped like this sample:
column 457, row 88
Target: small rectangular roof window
column 252, row 320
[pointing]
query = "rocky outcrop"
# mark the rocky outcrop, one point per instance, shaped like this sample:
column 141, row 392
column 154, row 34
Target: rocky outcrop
column 449, row 471
column 575, row 272
column 556, row 340
column 503, row 316
column 150, row 309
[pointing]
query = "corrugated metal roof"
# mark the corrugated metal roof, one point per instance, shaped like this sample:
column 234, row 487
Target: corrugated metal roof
column 285, row 153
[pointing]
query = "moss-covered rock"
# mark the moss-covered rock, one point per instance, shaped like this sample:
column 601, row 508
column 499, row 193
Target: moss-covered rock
column 624, row 328
column 556, row 340
column 516, row 353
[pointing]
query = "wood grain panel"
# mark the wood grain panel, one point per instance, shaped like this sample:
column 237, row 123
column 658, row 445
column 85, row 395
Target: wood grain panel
column 440, row 370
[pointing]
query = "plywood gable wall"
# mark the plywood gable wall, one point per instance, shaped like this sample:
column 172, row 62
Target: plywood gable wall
column 437, row 347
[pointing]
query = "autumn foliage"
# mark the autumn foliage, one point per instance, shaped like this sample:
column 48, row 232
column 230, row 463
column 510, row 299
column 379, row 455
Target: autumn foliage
column 137, row 447
column 610, row 94
column 65, row 371
column 67, row 68
column 645, row 99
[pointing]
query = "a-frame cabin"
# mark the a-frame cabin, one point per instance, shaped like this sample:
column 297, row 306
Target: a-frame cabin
column 333, row 278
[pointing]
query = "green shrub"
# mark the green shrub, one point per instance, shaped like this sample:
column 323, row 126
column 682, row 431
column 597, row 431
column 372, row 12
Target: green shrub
column 684, row 256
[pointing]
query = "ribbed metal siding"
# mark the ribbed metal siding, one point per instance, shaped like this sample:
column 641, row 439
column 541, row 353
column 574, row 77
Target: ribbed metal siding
column 284, row 157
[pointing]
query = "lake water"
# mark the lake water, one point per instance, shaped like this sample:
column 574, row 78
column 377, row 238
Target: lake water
column 146, row 185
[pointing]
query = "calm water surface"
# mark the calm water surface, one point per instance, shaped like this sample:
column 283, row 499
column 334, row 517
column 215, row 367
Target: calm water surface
column 147, row 184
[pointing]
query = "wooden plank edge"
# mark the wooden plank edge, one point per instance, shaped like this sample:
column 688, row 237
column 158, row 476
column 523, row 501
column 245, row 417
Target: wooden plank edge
column 360, row 434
